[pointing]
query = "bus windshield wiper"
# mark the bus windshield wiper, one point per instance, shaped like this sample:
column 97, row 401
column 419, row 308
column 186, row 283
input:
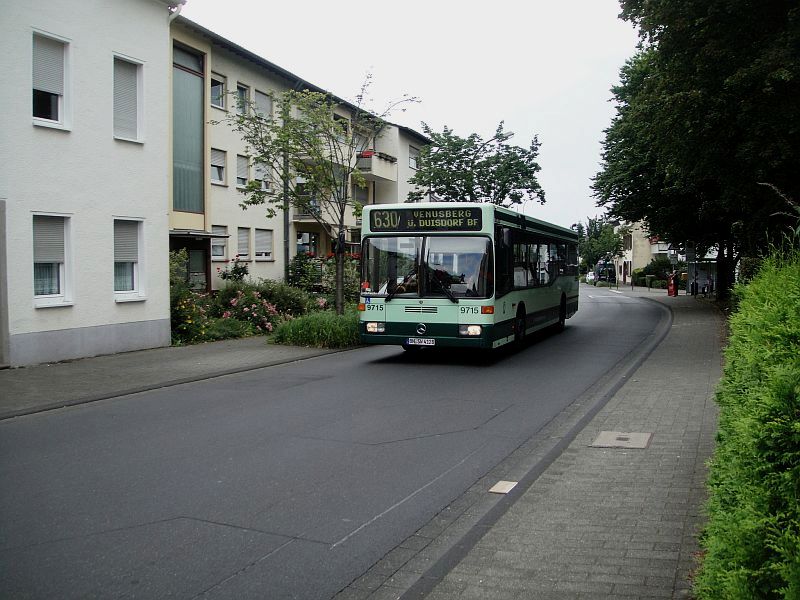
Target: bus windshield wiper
column 446, row 291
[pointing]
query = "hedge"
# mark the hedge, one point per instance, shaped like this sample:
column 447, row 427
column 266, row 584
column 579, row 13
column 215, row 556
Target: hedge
column 751, row 542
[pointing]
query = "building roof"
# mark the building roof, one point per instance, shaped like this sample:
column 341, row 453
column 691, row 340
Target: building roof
column 295, row 81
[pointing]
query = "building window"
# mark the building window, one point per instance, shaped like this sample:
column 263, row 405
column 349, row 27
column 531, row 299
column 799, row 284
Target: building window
column 48, row 79
column 260, row 175
column 263, row 243
column 342, row 127
column 307, row 242
column 126, row 99
column 243, row 237
column 413, row 157
column 263, row 104
column 219, row 244
column 218, row 91
column 217, row 166
column 188, row 127
column 126, row 255
column 50, row 256
column 242, row 98
column 242, row 168
column 361, row 194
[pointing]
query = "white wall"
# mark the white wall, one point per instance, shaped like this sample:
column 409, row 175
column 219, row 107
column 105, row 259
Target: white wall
column 224, row 206
column 81, row 171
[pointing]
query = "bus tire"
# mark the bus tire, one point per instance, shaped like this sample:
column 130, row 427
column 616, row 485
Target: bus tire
column 519, row 326
column 562, row 315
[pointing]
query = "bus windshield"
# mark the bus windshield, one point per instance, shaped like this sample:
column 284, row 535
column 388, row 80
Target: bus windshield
column 427, row 266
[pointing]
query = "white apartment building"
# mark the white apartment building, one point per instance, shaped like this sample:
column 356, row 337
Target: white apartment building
column 638, row 250
column 210, row 74
column 84, row 178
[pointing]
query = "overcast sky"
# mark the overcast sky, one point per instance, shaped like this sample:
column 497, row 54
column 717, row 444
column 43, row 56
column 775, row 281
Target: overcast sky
column 545, row 67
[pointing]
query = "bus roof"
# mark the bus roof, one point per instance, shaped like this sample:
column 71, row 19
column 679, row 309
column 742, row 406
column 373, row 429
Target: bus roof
column 501, row 215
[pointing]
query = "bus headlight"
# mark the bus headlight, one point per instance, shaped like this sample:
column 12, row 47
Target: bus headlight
column 469, row 330
column 373, row 327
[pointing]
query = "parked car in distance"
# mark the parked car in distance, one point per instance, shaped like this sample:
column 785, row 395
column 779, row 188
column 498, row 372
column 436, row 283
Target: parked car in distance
column 590, row 277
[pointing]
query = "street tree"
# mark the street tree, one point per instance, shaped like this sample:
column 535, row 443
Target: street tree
column 305, row 147
column 457, row 169
column 596, row 240
column 707, row 112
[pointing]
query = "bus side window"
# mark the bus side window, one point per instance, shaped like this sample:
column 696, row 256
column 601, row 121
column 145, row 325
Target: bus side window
column 504, row 256
column 520, row 263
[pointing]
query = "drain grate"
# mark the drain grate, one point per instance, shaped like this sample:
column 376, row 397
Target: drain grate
column 619, row 439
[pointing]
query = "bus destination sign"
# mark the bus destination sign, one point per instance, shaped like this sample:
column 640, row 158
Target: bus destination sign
column 426, row 219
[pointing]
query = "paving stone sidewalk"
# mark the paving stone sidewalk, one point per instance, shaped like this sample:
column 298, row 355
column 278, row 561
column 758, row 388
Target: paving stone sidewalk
column 604, row 523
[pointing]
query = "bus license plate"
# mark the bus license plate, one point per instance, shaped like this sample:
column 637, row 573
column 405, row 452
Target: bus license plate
column 421, row 342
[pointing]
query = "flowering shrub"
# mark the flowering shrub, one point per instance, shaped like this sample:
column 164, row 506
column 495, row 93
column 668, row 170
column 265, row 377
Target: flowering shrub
column 235, row 272
column 189, row 316
column 248, row 306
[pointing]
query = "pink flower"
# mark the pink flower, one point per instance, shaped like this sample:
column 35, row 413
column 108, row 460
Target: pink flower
column 246, row 309
column 234, row 301
column 226, row 314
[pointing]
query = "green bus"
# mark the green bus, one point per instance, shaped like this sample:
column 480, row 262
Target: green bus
column 446, row 274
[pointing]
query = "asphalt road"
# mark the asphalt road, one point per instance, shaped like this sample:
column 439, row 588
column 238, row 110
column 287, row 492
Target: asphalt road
column 284, row 482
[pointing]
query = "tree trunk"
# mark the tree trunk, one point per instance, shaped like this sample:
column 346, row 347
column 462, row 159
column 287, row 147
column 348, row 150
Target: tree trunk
column 339, row 279
column 725, row 268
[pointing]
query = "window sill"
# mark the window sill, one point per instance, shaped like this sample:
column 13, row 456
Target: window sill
column 50, row 124
column 219, row 183
column 51, row 302
column 133, row 297
column 222, row 108
column 129, row 140
column 265, row 260
column 220, row 260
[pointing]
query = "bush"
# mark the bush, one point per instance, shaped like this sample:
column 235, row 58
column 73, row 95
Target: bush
column 752, row 539
column 188, row 316
column 225, row 329
column 289, row 300
column 324, row 329
column 248, row 306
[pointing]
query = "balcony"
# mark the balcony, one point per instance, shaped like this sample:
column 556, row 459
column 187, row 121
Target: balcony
column 377, row 166
column 306, row 213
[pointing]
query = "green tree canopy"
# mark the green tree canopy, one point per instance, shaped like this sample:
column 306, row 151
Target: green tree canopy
column 596, row 240
column 471, row 169
column 707, row 112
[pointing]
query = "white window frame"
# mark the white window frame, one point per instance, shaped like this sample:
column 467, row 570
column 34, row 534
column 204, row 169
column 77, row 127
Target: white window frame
column 260, row 173
column 219, row 243
column 218, row 156
column 242, row 104
column 243, row 255
column 413, row 157
column 222, row 98
column 139, row 134
column 65, row 97
column 263, row 252
column 242, row 170
column 137, row 294
column 260, row 97
column 64, row 297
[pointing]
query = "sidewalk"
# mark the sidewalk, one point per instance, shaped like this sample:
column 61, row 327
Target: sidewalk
column 44, row 387
column 614, row 522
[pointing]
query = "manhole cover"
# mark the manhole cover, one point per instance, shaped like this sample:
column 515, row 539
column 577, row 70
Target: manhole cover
column 619, row 439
